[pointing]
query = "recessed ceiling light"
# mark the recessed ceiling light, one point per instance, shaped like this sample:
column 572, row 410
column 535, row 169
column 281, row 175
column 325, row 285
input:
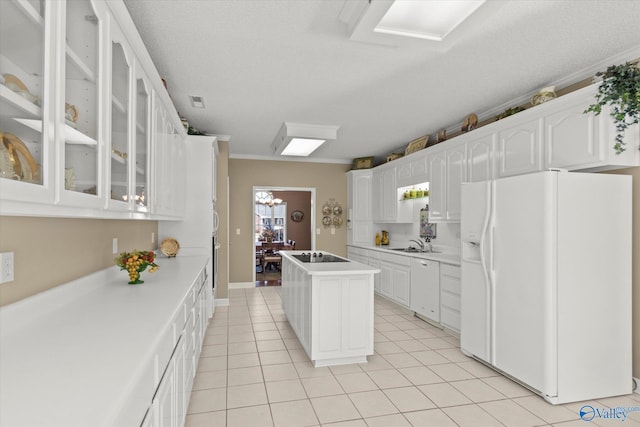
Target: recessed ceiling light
column 426, row 19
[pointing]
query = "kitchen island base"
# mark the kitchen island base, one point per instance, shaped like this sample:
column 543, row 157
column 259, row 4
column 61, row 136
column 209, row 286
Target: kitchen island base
column 330, row 308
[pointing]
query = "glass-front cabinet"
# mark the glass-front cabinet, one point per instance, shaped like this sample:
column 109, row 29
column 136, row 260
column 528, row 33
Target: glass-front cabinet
column 120, row 87
column 86, row 126
column 25, row 39
column 79, row 108
column 142, row 143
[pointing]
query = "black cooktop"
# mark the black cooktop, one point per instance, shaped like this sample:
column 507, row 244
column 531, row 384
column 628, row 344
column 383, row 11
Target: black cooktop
column 318, row 257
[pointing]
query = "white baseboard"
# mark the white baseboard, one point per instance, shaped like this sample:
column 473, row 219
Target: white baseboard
column 221, row 302
column 242, row 285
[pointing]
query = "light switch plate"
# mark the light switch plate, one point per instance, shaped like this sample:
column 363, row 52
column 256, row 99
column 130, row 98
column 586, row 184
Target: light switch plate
column 115, row 245
column 6, row 267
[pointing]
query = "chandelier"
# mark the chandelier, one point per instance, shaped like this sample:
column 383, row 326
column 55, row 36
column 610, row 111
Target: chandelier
column 265, row 198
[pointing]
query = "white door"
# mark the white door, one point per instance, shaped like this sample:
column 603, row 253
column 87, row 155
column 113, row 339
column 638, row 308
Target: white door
column 524, row 300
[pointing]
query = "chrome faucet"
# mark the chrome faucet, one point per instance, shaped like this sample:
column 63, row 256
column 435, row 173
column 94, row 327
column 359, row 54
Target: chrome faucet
column 419, row 244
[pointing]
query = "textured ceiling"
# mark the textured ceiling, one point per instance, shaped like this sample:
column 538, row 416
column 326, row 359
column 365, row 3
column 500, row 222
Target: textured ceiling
column 260, row 63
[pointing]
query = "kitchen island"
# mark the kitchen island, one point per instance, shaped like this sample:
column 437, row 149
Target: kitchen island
column 328, row 301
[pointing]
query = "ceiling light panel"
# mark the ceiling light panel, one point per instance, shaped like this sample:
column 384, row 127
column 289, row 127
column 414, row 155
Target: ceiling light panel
column 302, row 146
column 426, row 19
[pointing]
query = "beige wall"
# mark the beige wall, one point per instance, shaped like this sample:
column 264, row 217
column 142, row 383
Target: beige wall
column 298, row 231
column 635, row 173
column 51, row 251
column 329, row 180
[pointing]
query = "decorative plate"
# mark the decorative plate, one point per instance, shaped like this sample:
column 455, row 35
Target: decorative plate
column 326, row 209
column 326, row 220
column 170, row 247
column 296, row 216
column 337, row 210
column 337, row 221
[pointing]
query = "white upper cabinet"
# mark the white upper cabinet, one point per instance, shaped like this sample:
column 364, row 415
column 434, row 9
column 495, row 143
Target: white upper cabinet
column 578, row 141
column 120, row 138
column 77, row 114
column 26, row 36
column 520, row 148
column 412, row 170
column 448, row 169
column 456, row 175
column 359, row 218
column 437, row 185
column 480, row 155
column 78, row 106
column 142, row 142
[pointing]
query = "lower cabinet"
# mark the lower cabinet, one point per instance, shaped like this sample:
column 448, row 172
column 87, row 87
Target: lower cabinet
column 450, row 284
column 425, row 288
column 171, row 400
column 395, row 278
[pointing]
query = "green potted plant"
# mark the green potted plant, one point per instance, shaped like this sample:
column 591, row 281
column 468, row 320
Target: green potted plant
column 620, row 89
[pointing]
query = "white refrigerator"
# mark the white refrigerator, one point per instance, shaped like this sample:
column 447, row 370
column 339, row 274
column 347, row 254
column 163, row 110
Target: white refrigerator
column 546, row 281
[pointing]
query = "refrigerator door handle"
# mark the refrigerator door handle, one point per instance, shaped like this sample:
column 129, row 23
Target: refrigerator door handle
column 216, row 221
column 485, row 271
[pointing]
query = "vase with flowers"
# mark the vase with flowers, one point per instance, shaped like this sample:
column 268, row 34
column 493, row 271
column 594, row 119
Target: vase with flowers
column 135, row 263
column 268, row 234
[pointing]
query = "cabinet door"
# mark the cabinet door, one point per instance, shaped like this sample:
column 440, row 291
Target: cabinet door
column 376, row 196
column 386, row 279
column 359, row 215
column 573, row 139
column 419, row 170
column 26, row 155
column 480, row 159
column 389, row 195
column 142, row 143
column 401, row 285
column 182, row 391
column 375, row 263
column 520, row 149
column 166, row 398
column 456, row 175
column 121, row 155
column 403, row 171
column 79, row 107
column 437, row 186
column 425, row 288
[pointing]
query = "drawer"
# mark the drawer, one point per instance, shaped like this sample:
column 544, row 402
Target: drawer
column 450, row 318
column 450, row 270
column 450, row 285
column 395, row 259
column 450, row 300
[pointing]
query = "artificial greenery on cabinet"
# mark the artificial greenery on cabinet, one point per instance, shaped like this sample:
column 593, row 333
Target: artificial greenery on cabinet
column 620, row 89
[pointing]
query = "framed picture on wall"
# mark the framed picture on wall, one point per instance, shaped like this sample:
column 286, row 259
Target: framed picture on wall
column 296, row 216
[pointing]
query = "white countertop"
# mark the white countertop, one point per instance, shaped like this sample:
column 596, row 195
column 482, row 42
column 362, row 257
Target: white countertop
column 330, row 268
column 445, row 257
column 70, row 356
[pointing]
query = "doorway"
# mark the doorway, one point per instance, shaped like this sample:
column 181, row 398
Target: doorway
column 282, row 215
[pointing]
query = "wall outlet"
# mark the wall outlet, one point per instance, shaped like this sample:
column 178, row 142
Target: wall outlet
column 333, row 231
column 237, row 231
column 115, row 245
column 317, row 231
column 6, row 267
column 153, row 237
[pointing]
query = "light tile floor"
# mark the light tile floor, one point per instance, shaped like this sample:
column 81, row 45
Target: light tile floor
column 253, row 372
